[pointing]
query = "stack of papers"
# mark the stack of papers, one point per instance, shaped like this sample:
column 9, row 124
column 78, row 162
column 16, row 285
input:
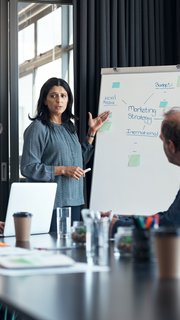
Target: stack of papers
column 14, row 257
column 35, row 260
column 9, row 251
column 15, row 261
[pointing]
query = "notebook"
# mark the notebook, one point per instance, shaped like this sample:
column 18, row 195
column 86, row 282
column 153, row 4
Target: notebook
column 34, row 197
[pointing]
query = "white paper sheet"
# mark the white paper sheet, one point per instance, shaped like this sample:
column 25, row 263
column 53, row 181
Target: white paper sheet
column 76, row 268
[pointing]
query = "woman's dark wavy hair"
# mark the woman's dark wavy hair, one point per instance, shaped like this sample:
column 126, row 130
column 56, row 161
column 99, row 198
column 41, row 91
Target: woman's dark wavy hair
column 42, row 112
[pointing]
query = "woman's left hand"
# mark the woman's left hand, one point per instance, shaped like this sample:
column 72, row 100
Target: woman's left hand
column 96, row 123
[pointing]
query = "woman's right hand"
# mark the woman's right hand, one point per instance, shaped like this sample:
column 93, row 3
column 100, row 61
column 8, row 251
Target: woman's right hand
column 69, row 171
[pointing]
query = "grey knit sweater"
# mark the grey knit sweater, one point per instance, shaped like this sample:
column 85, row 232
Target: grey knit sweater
column 46, row 147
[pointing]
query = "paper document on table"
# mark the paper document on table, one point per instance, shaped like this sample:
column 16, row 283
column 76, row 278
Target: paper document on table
column 78, row 267
column 9, row 251
column 35, row 260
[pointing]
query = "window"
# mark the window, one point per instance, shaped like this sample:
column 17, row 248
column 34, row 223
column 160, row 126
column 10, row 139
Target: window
column 45, row 45
column 48, row 40
column 26, row 43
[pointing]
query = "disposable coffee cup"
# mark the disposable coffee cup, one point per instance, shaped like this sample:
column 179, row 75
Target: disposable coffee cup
column 23, row 244
column 167, row 249
column 22, row 225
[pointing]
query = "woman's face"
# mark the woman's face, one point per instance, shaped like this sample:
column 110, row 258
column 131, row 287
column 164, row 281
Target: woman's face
column 56, row 100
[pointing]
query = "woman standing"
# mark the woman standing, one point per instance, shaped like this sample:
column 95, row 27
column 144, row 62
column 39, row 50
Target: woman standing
column 52, row 151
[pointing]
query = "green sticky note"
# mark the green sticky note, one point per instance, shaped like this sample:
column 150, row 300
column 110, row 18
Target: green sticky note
column 106, row 126
column 134, row 160
column 163, row 104
column 116, row 85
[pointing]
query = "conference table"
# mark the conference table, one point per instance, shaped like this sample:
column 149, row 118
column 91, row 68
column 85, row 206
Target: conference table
column 121, row 288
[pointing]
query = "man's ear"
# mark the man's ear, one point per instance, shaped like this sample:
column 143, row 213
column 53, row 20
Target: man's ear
column 171, row 146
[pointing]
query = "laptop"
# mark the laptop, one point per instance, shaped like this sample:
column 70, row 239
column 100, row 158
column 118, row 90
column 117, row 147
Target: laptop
column 34, row 197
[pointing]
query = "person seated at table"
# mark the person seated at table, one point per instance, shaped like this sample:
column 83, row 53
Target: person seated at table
column 170, row 136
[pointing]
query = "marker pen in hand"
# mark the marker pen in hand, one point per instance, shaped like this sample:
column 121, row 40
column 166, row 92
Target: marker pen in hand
column 87, row 170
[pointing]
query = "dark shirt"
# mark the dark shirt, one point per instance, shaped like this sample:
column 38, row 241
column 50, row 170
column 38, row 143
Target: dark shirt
column 169, row 218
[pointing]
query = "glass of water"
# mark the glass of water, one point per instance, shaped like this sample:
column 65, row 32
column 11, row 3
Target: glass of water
column 63, row 216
